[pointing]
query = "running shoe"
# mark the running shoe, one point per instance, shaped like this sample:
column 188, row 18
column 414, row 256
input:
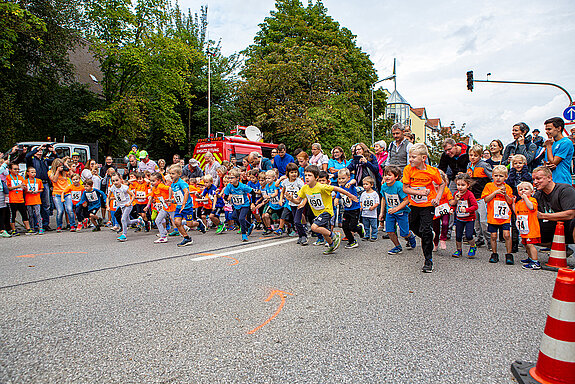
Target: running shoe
column 244, row 237
column 5, row 234
column 201, row 226
column 354, row 244
column 79, row 228
column 411, row 241
column 221, row 229
column 279, row 232
column 121, row 238
column 319, row 242
column 72, row 229
column 442, row 244
column 427, row 267
column 161, row 240
column 59, row 229
column 361, row 230
column 303, row 241
column 175, row 232
column 96, row 228
column 472, row 251
column 30, row 232
column 185, row 242
column 509, row 260
column 528, row 260
column 268, row 231
column 41, row 231
column 532, row 265
column 494, row 258
column 395, row 250
column 457, row 253
column 251, row 229
column 334, row 244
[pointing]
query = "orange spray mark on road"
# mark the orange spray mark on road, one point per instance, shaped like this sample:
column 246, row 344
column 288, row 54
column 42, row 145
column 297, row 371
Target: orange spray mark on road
column 234, row 262
column 283, row 296
column 33, row 255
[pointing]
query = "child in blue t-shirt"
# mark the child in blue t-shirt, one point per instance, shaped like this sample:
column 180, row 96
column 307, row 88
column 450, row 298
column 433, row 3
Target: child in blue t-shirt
column 395, row 203
column 272, row 195
column 256, row 194
column 350, row 222
column 239, row 195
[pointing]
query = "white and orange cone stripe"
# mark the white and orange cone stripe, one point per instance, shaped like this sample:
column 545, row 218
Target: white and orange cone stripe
column 556, row 362
column 558, row 254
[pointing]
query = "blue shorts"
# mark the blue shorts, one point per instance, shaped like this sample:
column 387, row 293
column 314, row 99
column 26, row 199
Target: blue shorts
column 186, row 213
column 494, row 228
column 402, row 221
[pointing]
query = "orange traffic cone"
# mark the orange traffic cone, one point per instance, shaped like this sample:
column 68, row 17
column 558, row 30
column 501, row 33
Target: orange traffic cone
column 558, row 254
column 556, row 362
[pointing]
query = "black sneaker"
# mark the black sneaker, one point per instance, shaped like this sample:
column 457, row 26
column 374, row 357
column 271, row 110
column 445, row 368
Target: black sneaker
column 427, row 267
column 480, row 243
column 303, row 241
column 509, row 259
column 494, row 258
column 361, row 230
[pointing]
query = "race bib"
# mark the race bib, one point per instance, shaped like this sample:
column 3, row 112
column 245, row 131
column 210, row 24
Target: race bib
column 461, row 209
column 275, row 200
column 179, row 197
column 419, row 199
column 522, row 224
column 346, row 201
column 140, row 195
column 442, row 209
column 315, row 201
column 91, row 196
column 392, row 200
column 76, row 195
column 32, row 188
column 114, row 205
column 368, row 203
column 158, row 206
column 238, row 199
column 500, row 210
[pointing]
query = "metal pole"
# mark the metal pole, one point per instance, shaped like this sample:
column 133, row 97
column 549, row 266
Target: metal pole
column 527, row 82
column 372, row 117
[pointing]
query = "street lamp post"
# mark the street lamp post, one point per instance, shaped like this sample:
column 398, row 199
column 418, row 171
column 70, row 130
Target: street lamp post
column 372, row 117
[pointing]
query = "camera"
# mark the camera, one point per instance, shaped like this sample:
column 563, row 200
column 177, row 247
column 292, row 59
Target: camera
column 65, row 169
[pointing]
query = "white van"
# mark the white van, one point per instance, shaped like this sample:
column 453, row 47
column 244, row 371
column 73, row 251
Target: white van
column 62, row 149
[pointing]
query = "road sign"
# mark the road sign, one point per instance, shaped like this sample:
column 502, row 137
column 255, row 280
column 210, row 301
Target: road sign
column 569, row 113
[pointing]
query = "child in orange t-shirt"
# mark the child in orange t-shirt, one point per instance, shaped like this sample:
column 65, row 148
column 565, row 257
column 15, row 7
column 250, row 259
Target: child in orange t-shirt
column 499, row 197
column 33, row 187
column 441, row 217
column 16, row 188
column 528, row 224
column 141, row 190
column 160, row 199
column 418, row 182
column 75, row 191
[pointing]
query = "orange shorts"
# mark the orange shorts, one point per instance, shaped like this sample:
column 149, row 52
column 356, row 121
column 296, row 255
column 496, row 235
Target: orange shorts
column 532, row 240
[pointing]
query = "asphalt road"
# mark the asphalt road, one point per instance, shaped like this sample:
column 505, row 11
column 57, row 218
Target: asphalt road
column 81, row 307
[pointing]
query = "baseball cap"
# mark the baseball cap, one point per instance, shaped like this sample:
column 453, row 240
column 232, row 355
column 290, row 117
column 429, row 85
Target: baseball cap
column 536, row 130
column 75, row 154
column 143, row 154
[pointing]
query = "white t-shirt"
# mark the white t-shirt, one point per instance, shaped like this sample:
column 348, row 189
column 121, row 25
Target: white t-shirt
column 150, row 166
column 292, row 188
column 121, row 195
column 366, row 201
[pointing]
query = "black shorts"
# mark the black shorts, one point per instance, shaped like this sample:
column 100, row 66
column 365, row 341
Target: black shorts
column 93, row 211
column 287, row 214
column 548, row 231
column 275, row 214
column 139, row 208
column 202, row 211
column 323, row 220
column 217, row 211
column 18, row 207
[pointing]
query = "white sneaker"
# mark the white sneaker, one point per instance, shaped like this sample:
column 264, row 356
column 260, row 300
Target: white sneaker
column 442, row 244
column 161, row 240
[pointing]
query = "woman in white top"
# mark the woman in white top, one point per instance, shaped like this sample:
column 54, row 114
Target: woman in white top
column 91, row 172
column 318, row 157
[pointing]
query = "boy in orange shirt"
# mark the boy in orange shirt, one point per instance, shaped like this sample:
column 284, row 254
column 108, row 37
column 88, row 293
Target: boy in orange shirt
column 141, row 190
column 16, row 188
column 418, row 182
column 160, row 198
column 527, row 223
column 499, row 197
column 33, row 187
column 75, row 191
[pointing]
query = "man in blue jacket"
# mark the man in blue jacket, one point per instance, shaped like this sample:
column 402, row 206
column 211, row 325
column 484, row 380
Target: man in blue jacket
column 282, row 159
column 35, row 158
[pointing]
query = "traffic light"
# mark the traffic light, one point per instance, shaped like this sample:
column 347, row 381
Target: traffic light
column 470, row 80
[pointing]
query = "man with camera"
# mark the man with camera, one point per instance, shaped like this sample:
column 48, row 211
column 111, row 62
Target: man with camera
column 41, row 158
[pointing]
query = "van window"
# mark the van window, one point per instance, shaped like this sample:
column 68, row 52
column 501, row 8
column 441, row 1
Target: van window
column 83, row 154
column 62, row 151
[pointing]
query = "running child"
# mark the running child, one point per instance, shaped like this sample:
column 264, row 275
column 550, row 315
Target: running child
column 465, row 207
column 124, row 198
column 16, row 203
column 499, row 197
column 180, row 195
column 238, row 194
column 480, row 172
column 418, row 182
column 256, row 195
column 212, row 204
column 351, row 209
column 160, row 198
column 274, row 209
column 290, row 185
column 75, row 191
column 141, row 190
column 395, row 201
column 90, row 203
column 441, row 217
column 527, row 223
column 33, row 187
column 369, row 201
column 518, row 172
column 319, row 198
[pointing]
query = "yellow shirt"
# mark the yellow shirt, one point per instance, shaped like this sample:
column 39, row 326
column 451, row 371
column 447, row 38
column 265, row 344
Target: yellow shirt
column 318, row 198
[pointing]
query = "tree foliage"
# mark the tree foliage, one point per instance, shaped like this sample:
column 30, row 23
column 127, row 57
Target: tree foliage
column 436, row 141
column 306, row 80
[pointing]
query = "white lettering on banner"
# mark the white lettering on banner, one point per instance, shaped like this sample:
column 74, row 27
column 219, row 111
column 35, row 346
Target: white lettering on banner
column 392, row 200
column 500, row 210
column 315, row 201
column 419, row 199
column 523, row 224
column 237, row 199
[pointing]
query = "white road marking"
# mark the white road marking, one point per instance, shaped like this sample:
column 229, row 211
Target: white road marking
column 242, row 250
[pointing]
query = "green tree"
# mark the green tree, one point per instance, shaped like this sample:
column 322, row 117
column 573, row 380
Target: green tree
column 306, row 80
column 436, row 141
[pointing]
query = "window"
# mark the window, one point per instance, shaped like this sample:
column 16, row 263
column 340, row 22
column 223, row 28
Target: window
column 83, row 154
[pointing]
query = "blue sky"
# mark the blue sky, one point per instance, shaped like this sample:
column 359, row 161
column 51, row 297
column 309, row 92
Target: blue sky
column 436, row 43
